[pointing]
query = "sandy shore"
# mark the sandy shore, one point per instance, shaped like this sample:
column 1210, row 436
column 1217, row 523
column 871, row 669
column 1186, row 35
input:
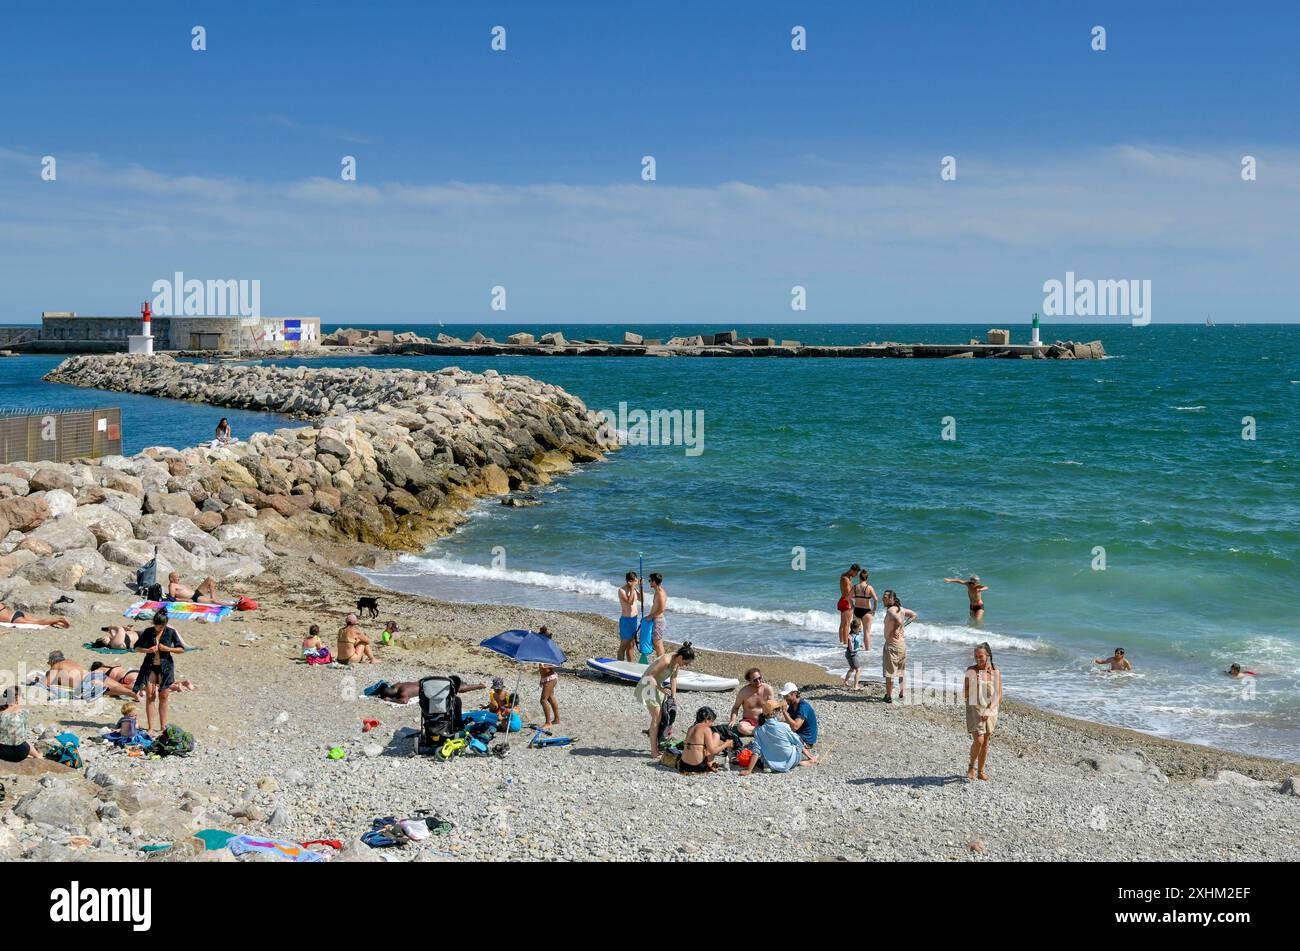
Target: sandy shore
column 890, row 785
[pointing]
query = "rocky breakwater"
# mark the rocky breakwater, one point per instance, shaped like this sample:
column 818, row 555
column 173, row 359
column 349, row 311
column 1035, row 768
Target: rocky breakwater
column 392, row 459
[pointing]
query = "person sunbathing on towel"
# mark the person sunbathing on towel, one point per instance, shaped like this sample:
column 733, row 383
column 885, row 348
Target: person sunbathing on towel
column 80, row 683
column 205, row 593
column 407, row 690
column 126, row 677
column 8, row 616
column 117, row 637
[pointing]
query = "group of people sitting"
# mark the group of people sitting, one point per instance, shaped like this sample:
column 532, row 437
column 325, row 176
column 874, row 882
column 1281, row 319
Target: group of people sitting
column 354, row 644
column 782, row 727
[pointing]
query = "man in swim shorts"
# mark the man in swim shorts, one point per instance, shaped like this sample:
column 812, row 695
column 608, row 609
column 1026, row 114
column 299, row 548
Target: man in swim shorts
column 974, row 593
column 71, row 679
column 629, row 599
column 845, row 603
column 205, row 593
column 656, row 618
column 747, row 709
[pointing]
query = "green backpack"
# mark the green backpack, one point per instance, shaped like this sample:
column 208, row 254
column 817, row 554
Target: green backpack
column 173, row 741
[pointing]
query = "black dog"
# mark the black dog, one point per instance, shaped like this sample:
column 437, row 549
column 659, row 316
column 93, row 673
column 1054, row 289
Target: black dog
column 368, row 607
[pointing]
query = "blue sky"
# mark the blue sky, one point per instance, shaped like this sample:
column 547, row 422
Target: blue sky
column 775, row 168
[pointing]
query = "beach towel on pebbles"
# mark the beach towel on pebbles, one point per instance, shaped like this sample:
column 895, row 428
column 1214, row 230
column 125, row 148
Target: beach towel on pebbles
column 279, row 848
column 180, row 610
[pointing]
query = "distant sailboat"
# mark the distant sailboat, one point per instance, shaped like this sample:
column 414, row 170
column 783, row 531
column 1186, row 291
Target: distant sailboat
column 1209, row 322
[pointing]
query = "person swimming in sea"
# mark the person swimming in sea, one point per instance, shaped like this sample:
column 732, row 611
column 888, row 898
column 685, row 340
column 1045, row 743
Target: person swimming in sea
column 1117, row 660
column 1236, row 671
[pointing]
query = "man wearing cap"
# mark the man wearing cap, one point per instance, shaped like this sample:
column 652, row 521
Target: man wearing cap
column 779, row 748
column 799, row 714
column 974, row 593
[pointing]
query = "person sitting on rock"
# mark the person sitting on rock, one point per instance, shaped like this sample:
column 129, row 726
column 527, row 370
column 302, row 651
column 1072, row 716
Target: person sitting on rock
column 8, row 616
column 205, row 593
column 67, row 677
column 224, row 435
column 354, row 645
column 117, row 637
column 14, row 732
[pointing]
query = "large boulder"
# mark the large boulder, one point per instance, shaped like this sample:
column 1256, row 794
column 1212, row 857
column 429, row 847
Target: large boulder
column 23, row 514
column 129, row 553
column 169, row 503
column 60, row 503
column 65, row 534
column 62, row 804
column 13, row 484
column 104, row 523
column 48, row 477
column 128, row 506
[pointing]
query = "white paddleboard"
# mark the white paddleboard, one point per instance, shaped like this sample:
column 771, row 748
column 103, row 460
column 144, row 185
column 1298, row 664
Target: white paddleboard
column 686, row 680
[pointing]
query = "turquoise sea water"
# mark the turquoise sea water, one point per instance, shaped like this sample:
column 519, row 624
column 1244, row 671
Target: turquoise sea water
column 1141, row 455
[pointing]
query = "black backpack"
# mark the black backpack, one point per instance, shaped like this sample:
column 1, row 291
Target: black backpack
column 146, row 580
column 667, row 717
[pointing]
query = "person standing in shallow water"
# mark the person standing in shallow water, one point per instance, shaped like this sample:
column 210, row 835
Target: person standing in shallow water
column 845, row 604
column 974, row 593
column 983, row 694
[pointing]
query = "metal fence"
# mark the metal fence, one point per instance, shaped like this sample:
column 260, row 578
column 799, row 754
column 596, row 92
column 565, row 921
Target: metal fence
column 58, row 436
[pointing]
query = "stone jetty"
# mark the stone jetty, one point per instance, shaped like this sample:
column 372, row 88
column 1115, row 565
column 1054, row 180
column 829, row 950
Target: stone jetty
column 997, row 345
column 391, row 459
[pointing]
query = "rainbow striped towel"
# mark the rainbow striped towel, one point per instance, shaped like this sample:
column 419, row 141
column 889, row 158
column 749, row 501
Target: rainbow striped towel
column 180, row 610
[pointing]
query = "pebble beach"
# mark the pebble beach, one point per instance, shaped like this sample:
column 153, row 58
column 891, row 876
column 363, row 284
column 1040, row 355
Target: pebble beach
column 288, row 520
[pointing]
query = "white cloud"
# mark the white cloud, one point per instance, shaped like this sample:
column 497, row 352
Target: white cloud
column 892, row 242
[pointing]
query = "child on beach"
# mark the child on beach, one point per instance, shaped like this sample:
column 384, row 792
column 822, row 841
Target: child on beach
column 852, row 654
column 389, row 632
column 550, row 709
column 313, row 648
column 505, row 705
column 127, row 726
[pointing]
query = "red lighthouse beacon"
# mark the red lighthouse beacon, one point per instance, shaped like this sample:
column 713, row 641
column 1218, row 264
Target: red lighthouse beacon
column 142, row 343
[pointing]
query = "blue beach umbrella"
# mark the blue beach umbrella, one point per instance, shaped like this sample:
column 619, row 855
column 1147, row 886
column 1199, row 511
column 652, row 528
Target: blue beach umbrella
column 525, row 647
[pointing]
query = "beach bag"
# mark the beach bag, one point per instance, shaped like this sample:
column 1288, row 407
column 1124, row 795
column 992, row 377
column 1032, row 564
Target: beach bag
column 65, row 752
column 667, row 717
column 671, row 758
column 146, row 579
column 174, row 741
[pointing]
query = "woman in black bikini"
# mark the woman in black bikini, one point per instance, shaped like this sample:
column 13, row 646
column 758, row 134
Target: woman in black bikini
column 864, row 606
column 701, row 744
column 158, row 643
